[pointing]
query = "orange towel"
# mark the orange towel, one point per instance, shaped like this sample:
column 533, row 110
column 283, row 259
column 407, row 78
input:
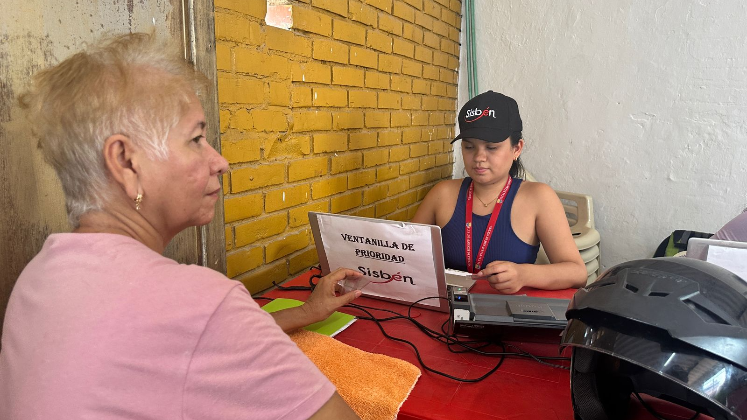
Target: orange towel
column 373, row 385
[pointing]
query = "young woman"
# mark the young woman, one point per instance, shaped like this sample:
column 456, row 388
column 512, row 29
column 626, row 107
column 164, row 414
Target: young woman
column 493, row 222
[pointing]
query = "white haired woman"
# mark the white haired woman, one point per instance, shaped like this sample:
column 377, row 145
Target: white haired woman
column 100, row 324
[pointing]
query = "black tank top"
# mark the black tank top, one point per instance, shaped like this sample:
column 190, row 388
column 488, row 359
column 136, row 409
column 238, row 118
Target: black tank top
column 504, row 244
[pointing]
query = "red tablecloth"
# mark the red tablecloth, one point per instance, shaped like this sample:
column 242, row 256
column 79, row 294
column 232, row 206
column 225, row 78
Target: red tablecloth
column 520, row 389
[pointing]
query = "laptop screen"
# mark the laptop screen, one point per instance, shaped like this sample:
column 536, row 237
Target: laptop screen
column 726, row 254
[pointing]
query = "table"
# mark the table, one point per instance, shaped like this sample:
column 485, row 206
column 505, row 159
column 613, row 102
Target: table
column 520, row 389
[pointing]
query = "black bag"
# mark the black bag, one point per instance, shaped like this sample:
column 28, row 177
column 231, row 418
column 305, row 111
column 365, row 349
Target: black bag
column 677, row 242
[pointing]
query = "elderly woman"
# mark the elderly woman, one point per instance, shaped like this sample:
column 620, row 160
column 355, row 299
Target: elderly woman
column 100, row 324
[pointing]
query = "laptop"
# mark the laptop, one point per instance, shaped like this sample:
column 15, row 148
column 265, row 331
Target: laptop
column 353, row 242
column 730, row 255
column 401, row 262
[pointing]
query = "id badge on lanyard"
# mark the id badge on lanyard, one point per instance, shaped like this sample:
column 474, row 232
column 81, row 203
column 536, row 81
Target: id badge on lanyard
column 477, row 265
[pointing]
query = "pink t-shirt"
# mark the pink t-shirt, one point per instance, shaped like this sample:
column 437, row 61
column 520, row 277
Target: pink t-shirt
column 101, row 327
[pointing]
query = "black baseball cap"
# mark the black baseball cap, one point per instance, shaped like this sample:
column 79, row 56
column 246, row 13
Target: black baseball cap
column 489, row 116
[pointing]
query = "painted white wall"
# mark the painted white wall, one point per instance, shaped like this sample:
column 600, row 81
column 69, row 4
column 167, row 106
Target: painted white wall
column 641, row 104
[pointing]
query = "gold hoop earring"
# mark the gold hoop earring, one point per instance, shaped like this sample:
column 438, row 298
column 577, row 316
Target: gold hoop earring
column 138, row 201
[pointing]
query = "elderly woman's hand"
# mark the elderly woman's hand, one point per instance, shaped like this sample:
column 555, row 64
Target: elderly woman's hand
column 324, row 301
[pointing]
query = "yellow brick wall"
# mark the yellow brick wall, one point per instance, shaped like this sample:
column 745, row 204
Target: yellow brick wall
column 351, row 111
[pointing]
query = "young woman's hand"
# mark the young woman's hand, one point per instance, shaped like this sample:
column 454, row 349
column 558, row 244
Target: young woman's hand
column 503, row 276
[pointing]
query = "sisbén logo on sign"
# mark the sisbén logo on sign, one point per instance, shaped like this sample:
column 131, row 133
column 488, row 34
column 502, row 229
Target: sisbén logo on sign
column 386, row 277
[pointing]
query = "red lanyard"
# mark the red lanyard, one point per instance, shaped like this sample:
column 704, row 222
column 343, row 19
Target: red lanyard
column 488, row 231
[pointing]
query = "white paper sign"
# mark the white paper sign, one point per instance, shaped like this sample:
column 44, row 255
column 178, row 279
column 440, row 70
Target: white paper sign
column 397, row 258
column 732, row 259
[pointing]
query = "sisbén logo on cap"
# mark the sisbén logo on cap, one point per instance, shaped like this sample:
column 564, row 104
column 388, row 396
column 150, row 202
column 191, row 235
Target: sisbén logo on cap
column 503, row 121
column 478, row 113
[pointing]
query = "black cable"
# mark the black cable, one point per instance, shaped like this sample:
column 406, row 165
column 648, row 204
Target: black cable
column 654, row 413
column 524, row 352
column 520, row 353
column 453, row 340
column 420, row 359
column 355, row 305
column 443, row 337
column 310, row 287
column 285, row 288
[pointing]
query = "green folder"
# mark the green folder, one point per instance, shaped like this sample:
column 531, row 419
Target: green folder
column 336, row 322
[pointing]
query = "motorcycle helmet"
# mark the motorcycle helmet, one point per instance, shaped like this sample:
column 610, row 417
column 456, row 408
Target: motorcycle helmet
column 671, row 328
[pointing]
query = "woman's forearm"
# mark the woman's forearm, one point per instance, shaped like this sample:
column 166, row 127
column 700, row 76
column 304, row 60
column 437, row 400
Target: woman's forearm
column 561, row 275
column 292, row 318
